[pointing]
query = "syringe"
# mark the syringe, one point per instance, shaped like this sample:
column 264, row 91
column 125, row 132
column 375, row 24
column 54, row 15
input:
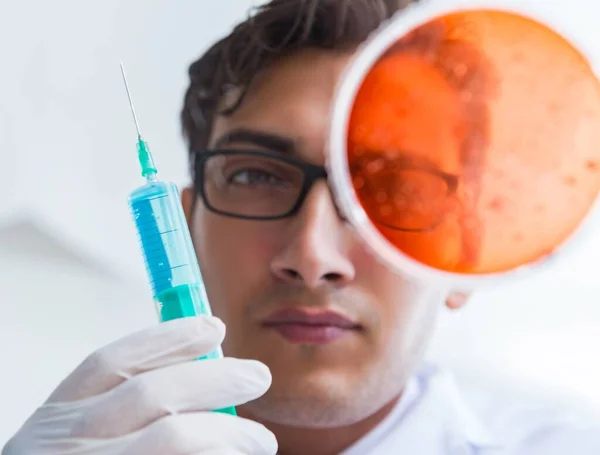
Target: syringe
column 166, row 244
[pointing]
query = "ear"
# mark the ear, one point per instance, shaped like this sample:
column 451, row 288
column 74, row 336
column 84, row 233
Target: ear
column 456, row 300
column 188, row 196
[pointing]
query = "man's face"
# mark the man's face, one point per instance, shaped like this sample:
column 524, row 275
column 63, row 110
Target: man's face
column 408, row 122
column 311, row 263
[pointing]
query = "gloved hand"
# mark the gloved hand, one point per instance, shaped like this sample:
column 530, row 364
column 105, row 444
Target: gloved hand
column 143, row 395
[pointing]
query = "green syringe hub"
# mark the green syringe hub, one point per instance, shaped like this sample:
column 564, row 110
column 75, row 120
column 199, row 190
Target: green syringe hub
column 145, row 158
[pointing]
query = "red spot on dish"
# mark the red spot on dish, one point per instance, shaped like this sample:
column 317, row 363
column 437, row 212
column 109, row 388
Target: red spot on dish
column 496, row 204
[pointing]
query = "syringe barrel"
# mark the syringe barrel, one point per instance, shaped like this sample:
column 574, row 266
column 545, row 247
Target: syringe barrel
column 168, row 252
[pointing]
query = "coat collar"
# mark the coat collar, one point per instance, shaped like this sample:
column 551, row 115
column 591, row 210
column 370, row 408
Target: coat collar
column 430, row 418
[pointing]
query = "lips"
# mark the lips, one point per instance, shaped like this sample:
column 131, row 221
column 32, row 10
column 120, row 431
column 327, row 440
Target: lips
column 310, row 326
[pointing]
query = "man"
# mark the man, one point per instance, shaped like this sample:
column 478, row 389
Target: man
column 342, row 336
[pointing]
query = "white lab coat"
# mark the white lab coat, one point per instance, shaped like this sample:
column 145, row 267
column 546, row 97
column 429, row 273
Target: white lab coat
column 432, row 418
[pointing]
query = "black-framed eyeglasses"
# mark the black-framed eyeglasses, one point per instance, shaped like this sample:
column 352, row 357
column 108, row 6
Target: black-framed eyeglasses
column 260, row 185
column 252, row 184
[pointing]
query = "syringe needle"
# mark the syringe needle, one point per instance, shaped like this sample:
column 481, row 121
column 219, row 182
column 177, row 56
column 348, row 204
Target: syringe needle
column 137, row 126
column 144, row 155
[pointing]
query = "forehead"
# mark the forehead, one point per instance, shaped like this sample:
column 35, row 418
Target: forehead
column 291, row 98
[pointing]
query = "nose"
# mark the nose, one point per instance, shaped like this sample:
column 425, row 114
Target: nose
column 315, row 253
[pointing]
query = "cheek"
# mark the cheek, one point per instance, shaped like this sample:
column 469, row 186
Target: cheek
column 408, row 312
column 395, row 296
column 402, row 303
column 233, row 265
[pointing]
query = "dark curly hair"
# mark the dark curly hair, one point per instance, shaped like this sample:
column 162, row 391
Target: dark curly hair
column 270, row 32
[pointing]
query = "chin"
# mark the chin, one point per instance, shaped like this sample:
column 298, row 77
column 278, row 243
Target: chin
column 325, row 400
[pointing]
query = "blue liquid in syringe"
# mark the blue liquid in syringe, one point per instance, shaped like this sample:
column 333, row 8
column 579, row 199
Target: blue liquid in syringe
column 171, row 262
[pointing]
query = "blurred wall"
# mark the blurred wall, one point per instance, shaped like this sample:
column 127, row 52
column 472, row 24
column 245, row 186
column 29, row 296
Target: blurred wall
column 71, row 278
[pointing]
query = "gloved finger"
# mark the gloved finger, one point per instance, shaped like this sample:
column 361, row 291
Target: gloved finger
column 165, row 344
column 201, row 432
column 220, row 451
column 188, row 387
column 55, row 446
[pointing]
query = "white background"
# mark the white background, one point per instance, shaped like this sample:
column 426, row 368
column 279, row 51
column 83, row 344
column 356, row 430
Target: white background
column 71, row 278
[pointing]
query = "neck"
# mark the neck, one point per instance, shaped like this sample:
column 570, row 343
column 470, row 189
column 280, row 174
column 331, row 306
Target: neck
column 328, row 441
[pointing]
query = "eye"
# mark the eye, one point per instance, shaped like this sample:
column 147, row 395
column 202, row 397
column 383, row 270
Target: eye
column 254, row 176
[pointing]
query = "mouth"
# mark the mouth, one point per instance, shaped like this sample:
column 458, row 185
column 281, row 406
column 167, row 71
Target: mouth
column 310, row 325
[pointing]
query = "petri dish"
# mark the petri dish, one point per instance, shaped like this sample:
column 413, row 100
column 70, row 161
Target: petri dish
column 463, row 142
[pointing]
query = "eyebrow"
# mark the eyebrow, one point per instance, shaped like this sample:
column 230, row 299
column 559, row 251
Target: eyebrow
column 273, row 142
